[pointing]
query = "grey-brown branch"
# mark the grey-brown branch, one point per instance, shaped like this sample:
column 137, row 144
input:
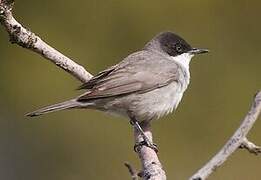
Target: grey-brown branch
column 20, row 35
column 132, row 171
column 151, row 166
column 27, row 39
column 238, row 140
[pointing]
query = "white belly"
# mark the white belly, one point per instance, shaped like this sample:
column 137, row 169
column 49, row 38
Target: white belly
column 159, row 102
column 168, row 100
column 147, row 106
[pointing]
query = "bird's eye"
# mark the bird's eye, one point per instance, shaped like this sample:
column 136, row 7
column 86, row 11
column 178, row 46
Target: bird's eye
column 179, row 48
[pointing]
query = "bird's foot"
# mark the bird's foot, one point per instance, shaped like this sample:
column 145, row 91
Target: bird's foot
column 138, row 146
column 146, row 141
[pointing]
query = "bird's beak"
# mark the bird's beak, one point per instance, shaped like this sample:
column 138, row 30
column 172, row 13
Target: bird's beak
column 198, row 51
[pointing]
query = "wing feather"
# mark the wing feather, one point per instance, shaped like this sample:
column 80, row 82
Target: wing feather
column 139, row 72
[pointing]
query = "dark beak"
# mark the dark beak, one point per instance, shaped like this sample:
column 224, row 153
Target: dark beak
column 198, row 51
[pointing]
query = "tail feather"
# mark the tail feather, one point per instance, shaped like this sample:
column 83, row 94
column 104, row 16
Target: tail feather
column 56, row 107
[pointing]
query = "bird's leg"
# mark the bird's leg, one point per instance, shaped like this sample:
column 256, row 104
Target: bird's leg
column 146, row 141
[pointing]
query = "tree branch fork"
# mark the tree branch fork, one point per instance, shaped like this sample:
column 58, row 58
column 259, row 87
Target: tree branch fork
column 151, row 166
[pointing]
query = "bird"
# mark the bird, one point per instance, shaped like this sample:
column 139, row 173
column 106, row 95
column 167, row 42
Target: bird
column 144, row 86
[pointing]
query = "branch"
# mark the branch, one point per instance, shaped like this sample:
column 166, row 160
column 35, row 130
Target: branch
column 238, row 140
column 251, row 147
column 27, row 39
column 18, row 34
column 132, row 171
column 151, row 166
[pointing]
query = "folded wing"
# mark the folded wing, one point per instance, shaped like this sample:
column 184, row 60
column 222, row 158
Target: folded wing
column 138, row 73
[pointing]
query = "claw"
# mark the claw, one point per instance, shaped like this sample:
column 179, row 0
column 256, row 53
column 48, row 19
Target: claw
column 149, row 144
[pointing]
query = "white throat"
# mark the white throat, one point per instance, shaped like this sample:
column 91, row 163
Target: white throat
column 183, row 59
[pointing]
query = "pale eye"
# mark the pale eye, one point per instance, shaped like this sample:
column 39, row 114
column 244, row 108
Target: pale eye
column 179, row 48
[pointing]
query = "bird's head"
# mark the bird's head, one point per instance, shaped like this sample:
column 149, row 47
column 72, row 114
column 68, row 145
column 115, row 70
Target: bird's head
column 173, row 45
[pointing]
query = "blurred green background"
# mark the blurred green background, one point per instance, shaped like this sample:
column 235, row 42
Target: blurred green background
column 82, row 145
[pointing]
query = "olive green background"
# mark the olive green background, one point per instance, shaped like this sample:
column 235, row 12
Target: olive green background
column 86, row 144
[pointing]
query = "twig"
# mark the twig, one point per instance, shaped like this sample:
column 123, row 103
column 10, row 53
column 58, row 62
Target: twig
column 236, row 141
column 27, row 39
column 251, row 147
column 132, row 171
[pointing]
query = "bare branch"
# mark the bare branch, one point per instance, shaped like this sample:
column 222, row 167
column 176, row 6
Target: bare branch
column 152, row 169
column 251, row 147
column 132, row 171
column 27, row 39
column 151, row 166
column 236, row 141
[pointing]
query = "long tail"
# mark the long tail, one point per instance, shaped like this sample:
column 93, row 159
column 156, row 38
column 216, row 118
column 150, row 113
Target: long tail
column 56, row 107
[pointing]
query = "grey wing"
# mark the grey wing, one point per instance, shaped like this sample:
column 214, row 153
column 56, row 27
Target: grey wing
column 96, row 79
column 139, row 72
